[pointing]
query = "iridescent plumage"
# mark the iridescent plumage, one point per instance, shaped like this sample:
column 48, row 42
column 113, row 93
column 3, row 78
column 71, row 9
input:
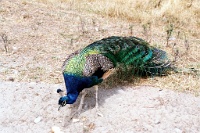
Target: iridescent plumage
column 85, row 68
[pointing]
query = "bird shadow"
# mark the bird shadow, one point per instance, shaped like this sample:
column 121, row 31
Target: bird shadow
column 112, row 86
column 90, row 102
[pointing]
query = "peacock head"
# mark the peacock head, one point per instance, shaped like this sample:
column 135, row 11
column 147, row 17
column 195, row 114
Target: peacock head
column 62, row 101
column 70, row 98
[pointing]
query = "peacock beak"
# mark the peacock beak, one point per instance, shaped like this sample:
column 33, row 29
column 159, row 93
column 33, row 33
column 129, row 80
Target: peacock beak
column 59, row 107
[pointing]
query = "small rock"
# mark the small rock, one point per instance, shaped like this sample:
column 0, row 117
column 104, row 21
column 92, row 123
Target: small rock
column 56, row 129
column 15, row 49
column 11, row 79
column 83, row 119
column 177, row 130
column 91, row 126
column 38, row 119
column 157, row 120
column 172, row 38
column 75, row 120
column 96, row 29
column 99, row 114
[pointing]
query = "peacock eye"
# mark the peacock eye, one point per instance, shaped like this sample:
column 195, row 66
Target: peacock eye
column 64, row 103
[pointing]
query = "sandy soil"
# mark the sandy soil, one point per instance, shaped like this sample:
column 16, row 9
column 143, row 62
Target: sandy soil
column 124, row 109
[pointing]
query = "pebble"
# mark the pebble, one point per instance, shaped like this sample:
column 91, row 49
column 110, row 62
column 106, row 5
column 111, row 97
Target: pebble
column 172, row 38
column 56, row 129
column 157, row 119
column 11, row 79
column 177, row 130
column 15, row 48
column 38, row 119
column 100, row 114
column 75, row 120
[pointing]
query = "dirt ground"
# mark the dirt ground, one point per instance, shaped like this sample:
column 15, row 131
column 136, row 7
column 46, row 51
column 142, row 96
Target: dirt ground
column 124, row 109
column 40, row 36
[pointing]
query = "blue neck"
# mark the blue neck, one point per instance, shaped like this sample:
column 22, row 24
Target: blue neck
column 75, row 84
column 71, row 98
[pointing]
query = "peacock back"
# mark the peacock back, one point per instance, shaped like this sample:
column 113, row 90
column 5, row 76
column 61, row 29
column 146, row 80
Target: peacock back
column 113, row 52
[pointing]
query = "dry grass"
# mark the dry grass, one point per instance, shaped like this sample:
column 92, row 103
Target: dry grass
column 179, row 12
column 41, row 33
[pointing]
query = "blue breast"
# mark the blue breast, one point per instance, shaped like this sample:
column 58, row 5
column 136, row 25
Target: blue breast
column 75, row 84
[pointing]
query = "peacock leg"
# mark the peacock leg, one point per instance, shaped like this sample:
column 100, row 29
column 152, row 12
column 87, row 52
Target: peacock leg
column 96, row 105
column 82, row 101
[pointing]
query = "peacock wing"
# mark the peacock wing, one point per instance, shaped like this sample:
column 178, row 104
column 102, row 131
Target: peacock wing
column 97, row 65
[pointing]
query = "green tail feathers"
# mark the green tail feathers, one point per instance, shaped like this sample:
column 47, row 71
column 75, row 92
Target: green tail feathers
column 134, row 53
column 146, row 61
column 159, row 64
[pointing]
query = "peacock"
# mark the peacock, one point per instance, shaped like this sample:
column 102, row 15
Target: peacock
column 91, row 65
